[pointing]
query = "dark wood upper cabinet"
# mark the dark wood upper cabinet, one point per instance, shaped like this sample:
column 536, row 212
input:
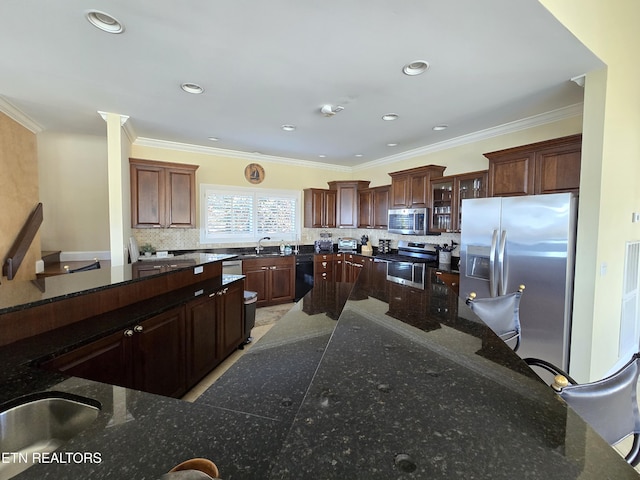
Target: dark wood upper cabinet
column 411, row 188
column 347, row 201
column 551, row 166
column 373, row 207
column 319, row 208
column 162, row 194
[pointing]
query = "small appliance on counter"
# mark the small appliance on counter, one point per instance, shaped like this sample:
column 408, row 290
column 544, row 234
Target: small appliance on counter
column 325, row 244
column 347, row 245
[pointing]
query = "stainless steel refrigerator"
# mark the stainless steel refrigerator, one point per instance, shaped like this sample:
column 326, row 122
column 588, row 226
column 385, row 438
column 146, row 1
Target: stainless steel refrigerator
column 530, row 240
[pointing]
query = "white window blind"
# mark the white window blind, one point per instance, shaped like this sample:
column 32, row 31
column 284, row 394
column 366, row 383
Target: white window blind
column 247, row 214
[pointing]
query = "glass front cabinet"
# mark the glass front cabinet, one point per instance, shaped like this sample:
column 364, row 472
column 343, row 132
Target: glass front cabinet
column 447, row 194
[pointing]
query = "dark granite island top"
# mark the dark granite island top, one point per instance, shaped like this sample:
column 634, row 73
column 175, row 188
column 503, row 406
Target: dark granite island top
column 371, row 380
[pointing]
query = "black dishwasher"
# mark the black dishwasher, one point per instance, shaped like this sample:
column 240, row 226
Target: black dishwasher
column 304, row 274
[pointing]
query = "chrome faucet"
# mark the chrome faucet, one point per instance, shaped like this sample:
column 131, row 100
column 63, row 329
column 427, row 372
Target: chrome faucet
column 260, row 247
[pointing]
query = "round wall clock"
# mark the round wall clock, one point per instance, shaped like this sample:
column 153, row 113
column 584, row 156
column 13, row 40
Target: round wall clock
column 254, row 173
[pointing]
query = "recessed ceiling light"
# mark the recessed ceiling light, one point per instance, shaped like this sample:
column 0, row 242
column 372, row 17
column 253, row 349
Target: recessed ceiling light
column 214, row 139
column 415, row 68
column 104, row 22
column 390, row 116
column 193, row 88
column 288, row 128
column 322, row 156
column 392, row 144
column 358, row 155
column 437, row 128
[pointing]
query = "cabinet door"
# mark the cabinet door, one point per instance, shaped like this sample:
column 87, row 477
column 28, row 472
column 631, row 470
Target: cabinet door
column 442, row 201
column 282, row 283
column 381, row 197
column 256, row 279
column 558, row 170
column 329, row 210
column 180, row 198
column 400, row 188
column 365, row 209
column 231, row 322
column 419, row 196
column 511, row 176
column 147, row 196
column 159, row 364
column 107, row 360
column 201, row 339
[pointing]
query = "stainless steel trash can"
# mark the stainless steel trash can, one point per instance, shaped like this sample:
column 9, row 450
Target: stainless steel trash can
column 250, row 301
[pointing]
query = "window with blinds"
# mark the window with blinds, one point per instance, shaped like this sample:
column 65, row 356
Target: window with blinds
column 247, row 214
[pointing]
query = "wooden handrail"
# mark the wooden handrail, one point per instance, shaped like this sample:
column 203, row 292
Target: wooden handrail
column 22, row 243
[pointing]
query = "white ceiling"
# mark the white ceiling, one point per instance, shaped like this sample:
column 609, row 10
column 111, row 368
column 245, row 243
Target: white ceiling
column 265, row 64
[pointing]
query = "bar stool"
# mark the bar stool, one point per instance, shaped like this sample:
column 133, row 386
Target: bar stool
column 501, row 314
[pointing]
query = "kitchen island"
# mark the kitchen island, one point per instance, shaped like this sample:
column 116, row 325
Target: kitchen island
column 373, row 379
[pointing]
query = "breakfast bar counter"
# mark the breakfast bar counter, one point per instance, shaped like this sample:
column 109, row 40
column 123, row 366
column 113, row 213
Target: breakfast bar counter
column 361, row 381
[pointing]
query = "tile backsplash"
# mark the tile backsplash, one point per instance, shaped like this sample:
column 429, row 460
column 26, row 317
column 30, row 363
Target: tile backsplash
column 189, row 238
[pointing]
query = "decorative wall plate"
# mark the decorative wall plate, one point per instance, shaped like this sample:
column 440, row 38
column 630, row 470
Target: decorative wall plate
column 254, row 173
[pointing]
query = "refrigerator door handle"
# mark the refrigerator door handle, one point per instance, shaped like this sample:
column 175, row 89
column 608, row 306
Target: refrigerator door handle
column 502, row 273
column 493, row 286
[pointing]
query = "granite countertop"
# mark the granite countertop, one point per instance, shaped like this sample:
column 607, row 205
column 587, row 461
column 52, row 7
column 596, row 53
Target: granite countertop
column 360, row 381
column 19, row 294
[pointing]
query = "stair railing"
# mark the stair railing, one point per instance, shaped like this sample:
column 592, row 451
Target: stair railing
column 22, row 243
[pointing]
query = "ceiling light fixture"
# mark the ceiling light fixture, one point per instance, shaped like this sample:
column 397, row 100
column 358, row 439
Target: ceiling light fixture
column 104, row 22
column 415, row 68
column 288, row 128
column 330, row 110
column 358, row 155
column 213, row 139
column 438, row 128
column 392, row 144
column 322, row 156
column 192, row 88
column 388, row 117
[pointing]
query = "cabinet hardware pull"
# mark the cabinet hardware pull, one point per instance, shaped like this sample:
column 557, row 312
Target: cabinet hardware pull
column 138, row 328
column 128, row 333
column 273, row 267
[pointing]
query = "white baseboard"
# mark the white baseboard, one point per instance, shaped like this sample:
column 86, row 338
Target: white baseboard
column 82, row 256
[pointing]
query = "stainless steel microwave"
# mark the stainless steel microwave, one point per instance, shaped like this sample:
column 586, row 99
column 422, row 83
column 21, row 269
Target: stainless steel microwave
column 409, row 221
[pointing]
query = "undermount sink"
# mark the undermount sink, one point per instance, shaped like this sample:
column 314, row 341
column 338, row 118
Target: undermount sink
column 40, row 423
column 269, row 254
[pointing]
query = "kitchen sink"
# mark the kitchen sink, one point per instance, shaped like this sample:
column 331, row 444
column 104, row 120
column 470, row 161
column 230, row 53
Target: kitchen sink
column 40, row 423
column 270, row 254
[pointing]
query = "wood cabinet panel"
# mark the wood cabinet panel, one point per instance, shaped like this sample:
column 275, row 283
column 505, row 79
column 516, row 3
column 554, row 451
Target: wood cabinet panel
column 201, row 338
column 107, row 360
column 347, row 201
column 319, row 208
column 231, row 319
column 411, row 188
column 159, row 358
column 374, row 207
column 162, row 194
column 551, row 166
column 272, row 278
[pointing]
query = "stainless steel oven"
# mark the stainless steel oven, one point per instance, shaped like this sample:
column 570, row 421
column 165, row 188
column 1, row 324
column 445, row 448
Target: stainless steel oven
column 406, row 273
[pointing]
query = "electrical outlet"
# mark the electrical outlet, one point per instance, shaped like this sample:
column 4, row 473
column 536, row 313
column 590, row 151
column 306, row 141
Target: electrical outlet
column 635, row 217
column 198, row 269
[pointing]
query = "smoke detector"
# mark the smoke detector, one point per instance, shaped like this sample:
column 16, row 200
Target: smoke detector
column 331, row 110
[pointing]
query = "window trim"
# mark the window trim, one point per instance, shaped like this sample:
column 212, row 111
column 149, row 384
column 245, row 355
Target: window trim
column 255, row 192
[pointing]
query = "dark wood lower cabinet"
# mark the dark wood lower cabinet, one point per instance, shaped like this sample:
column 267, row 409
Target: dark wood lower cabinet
column 159, row 354
column 106, row 360
column 274, row 279
column 168, row 353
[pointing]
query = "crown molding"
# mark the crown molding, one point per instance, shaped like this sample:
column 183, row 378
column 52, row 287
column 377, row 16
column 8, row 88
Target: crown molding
column 511, row 127
column 17, row 115
column 189, row 148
